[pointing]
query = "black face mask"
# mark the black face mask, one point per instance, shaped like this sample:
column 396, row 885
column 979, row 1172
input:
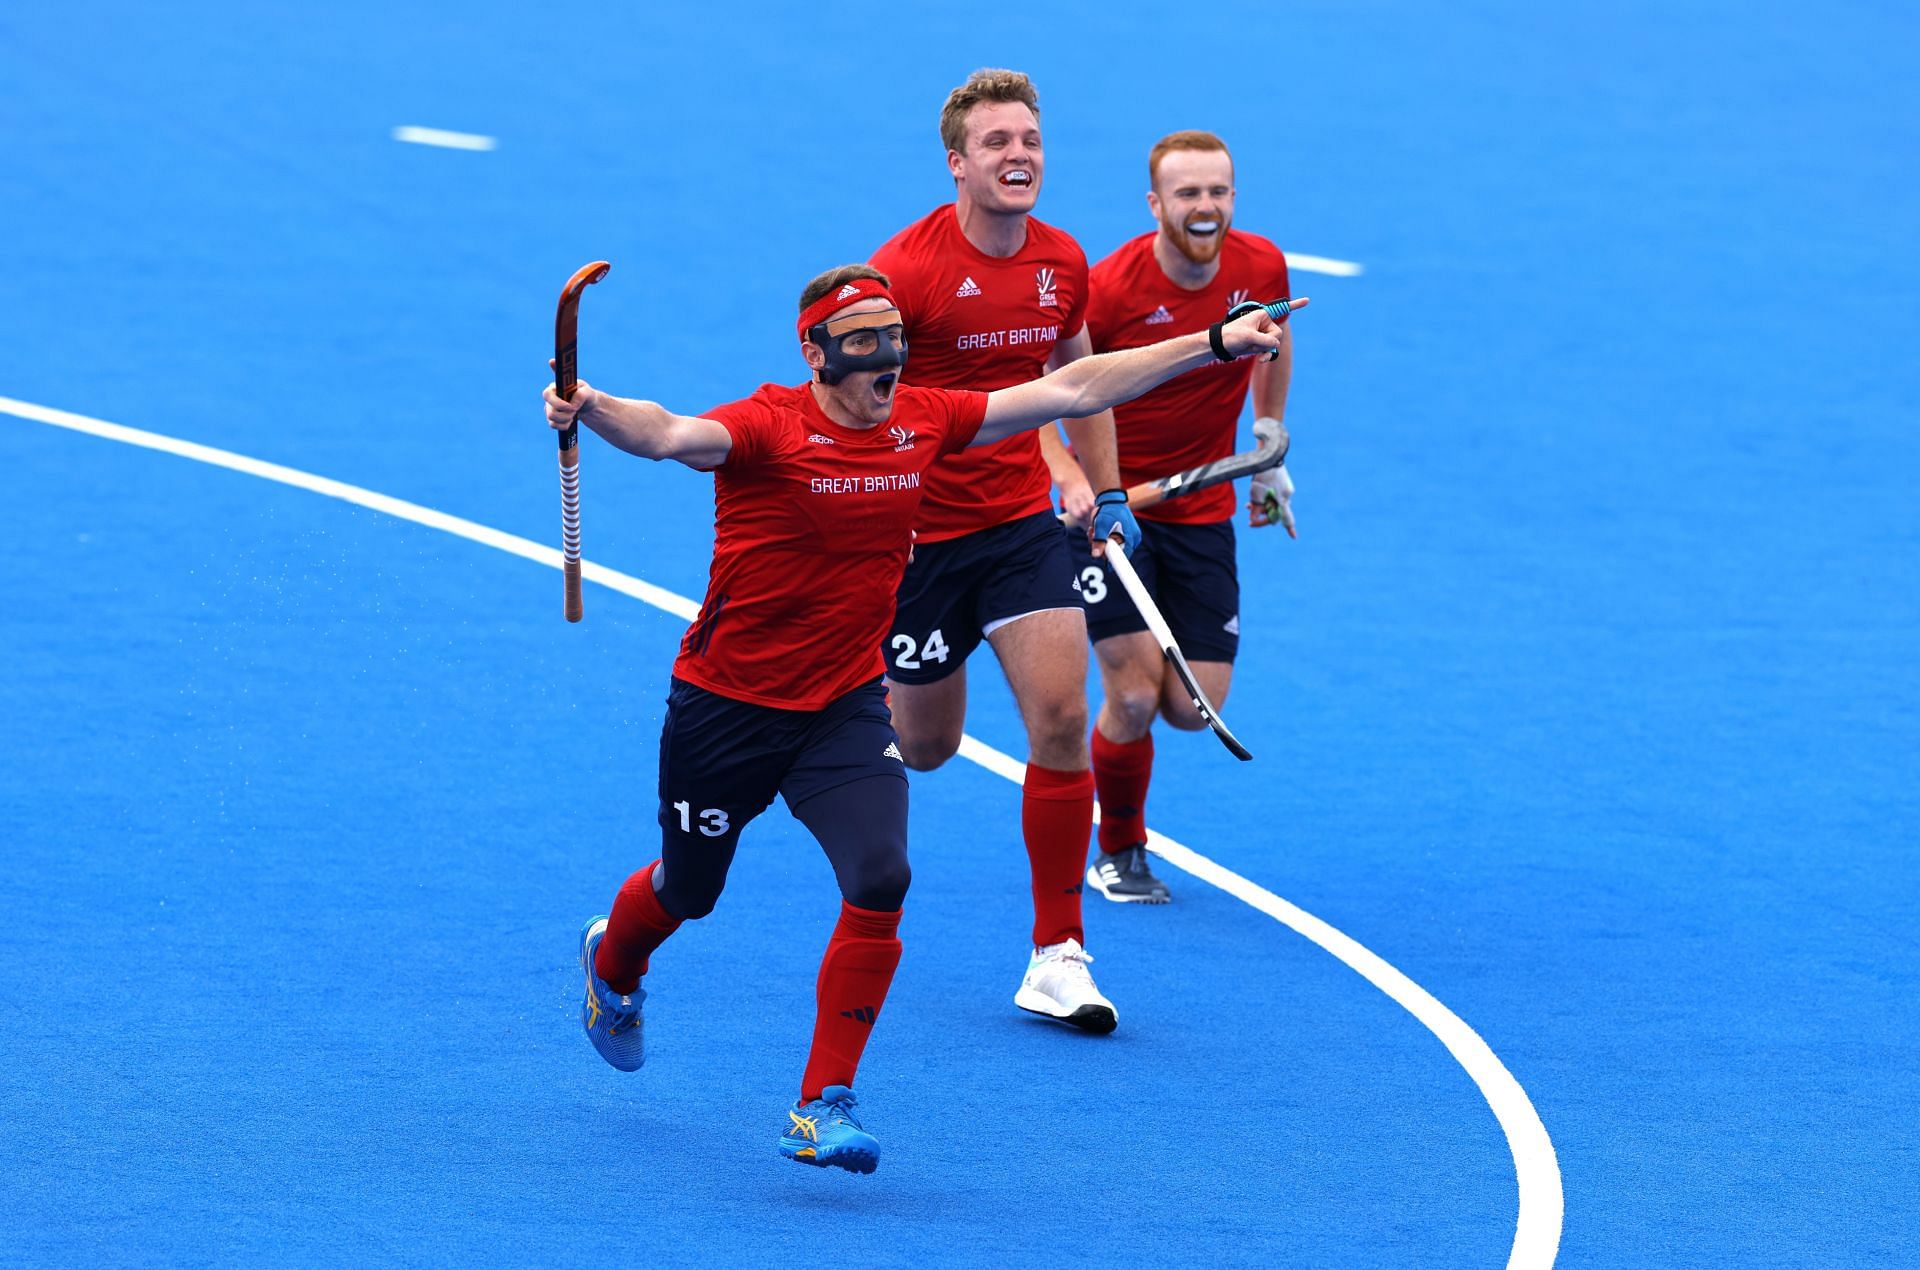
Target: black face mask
column 841, row 363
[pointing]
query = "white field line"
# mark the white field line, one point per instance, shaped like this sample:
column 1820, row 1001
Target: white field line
column 1536, row 1240
column 1298, row 262
column 442, row 138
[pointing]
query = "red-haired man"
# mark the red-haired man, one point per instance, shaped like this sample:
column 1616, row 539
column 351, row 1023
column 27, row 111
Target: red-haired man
column 1181, row 277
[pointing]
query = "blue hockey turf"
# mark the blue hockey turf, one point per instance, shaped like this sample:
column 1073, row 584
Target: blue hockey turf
column 1586, row 700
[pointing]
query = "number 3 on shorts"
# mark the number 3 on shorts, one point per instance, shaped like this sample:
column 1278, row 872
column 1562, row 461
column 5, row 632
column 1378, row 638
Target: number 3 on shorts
column 908, row 656
column 1093, row 584
column 713, row 821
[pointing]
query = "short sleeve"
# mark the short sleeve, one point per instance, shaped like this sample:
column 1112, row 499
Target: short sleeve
column 1282, row 286
column 964, row 413
column 751, row 422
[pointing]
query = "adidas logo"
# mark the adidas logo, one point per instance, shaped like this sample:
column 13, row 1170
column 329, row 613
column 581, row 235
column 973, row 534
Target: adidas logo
column 967, row 288
column 817, row 439
column 861, row 1014
column 893, row 751
column 1159, row 317
column 846, row 291
column 1233, row 625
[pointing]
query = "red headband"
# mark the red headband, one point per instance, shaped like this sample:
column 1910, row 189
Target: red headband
column 827, row 305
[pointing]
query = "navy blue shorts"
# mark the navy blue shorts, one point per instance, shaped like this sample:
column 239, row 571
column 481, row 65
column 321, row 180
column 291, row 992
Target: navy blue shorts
column 955, row 592
column 1187, row 569
column 722, row 761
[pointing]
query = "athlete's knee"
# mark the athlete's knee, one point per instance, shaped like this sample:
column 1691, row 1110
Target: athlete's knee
column 882, row 882
column 929, row 719
column 862, row 826
column 1177, row 708
column 1057, row 723
column 1135, row 704
column 688, row 882
column 1183, row 717
column 691, row 901
column 924, row 753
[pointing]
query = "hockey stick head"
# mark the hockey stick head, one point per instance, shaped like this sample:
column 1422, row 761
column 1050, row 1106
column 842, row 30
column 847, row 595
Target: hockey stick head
column 1268, row 453
column 1129, row 580
column 566, row 327
column 1184, row 673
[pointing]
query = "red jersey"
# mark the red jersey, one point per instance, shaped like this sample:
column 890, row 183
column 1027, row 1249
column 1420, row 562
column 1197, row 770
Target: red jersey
column 1193, row 418
column 812, row 524
column 983, row 322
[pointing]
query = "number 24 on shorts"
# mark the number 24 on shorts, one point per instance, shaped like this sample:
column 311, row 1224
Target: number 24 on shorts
column 908, row 656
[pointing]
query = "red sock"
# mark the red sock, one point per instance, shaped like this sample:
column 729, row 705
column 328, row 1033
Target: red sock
column 854, row 976
column 638, row 926
column 1056, row 814
column 1121, row 770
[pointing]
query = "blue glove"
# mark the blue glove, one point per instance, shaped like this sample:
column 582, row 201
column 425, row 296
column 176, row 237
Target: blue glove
column 1110, row 512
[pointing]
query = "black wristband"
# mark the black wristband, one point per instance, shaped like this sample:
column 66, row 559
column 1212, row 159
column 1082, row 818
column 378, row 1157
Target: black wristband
column 1219, row 345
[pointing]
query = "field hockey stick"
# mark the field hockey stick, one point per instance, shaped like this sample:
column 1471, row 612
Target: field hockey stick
column 1130, row 582
column 1267, row 454
column 566, row 331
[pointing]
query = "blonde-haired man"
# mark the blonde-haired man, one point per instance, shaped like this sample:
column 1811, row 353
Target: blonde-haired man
column 993, row 296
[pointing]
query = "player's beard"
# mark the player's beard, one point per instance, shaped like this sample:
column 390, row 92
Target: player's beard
column 1202, row 249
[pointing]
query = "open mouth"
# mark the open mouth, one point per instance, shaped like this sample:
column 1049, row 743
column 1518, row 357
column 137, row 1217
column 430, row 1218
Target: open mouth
column 883, row 387
column 1017, row 179
column 1203, row 228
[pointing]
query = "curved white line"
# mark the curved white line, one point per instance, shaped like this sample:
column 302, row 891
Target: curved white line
column 1536, row 1238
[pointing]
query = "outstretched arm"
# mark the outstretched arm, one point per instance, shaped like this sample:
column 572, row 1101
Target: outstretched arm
column 644, row 428
column 1092, row 437
column 1098, row 383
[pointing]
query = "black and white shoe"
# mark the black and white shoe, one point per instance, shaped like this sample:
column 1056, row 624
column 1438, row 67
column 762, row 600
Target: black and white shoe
column 1124, row 877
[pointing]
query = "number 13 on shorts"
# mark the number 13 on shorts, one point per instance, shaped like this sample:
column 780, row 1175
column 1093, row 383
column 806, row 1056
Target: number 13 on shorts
column 908, row 655
column 712, row 820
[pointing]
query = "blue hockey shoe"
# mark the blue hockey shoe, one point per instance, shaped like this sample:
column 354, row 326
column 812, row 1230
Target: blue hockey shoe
column 824, row 1132
column 611, row 1020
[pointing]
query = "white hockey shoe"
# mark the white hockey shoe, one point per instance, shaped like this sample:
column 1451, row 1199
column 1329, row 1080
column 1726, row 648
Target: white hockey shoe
column 1059, row 986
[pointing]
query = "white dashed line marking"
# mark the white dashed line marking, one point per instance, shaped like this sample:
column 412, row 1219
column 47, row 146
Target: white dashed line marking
column 442, row 138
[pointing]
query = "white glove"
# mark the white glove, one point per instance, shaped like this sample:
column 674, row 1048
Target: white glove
column 1270, row 500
